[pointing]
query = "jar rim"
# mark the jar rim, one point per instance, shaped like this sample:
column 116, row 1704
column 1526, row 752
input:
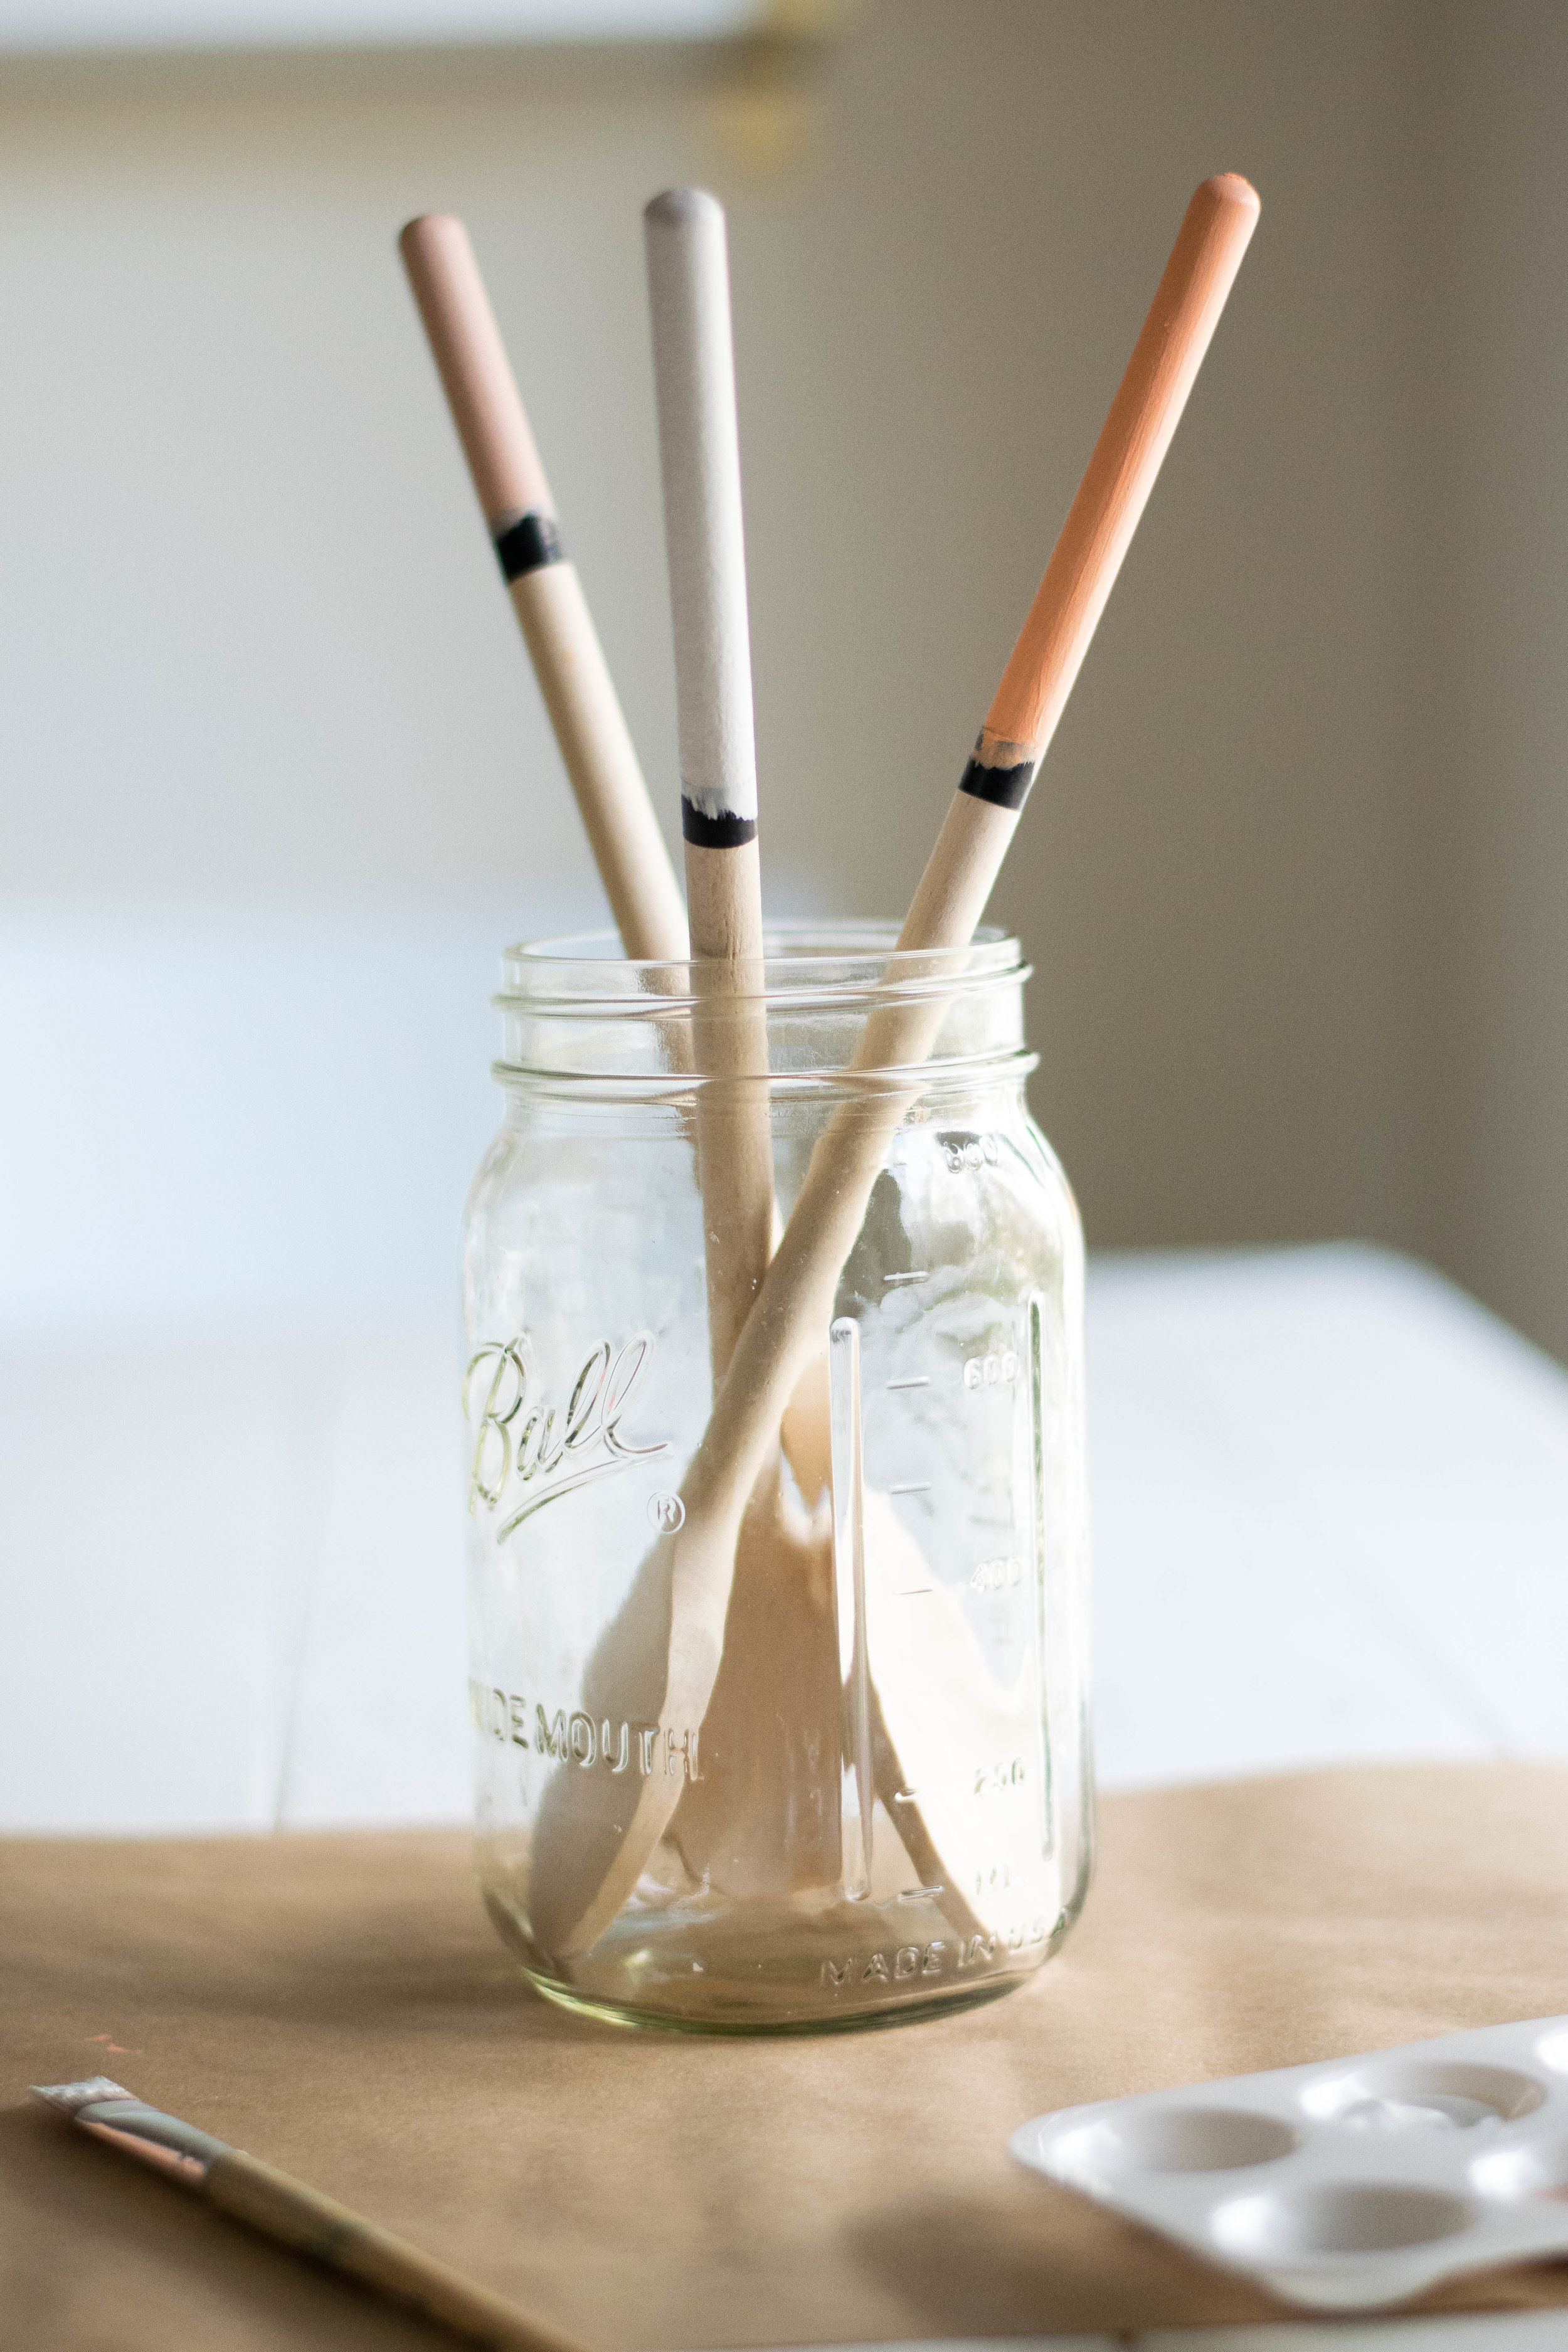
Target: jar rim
column 818, row 959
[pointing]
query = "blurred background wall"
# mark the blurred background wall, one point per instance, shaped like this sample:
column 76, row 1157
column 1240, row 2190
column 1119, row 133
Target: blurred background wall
column 277, row 786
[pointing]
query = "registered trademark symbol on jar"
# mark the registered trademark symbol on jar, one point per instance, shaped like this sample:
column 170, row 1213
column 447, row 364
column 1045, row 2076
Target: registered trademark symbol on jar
column 666, row 1512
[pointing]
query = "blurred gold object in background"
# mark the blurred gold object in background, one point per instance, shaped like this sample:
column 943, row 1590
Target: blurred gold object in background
column 767, row 95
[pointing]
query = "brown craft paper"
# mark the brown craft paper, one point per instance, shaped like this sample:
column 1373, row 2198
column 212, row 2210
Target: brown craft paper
column 339, row 2005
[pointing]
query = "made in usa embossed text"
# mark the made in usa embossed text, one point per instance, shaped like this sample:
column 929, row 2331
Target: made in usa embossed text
column 940, row 1959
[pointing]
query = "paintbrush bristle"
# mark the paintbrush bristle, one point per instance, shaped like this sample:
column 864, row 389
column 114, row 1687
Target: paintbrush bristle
column 71, row 2098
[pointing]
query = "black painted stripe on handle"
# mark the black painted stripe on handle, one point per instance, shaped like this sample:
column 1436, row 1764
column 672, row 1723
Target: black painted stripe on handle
column 726, row 832
column 528, row 545
column 1006, row 788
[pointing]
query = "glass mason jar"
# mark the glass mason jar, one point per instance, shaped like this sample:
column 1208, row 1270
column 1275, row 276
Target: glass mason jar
column 781, row 1724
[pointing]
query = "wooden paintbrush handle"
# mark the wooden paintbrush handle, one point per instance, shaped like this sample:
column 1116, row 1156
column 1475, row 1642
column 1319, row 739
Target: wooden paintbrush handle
column 984, row 814
column 700, row 465
column 617, row 814
column 568, row 661
column 284, row 2209
column 734, row 1115
column 1147, row 409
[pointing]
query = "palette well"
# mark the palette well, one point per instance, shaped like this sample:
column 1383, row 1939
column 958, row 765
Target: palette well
column 1347, row 2186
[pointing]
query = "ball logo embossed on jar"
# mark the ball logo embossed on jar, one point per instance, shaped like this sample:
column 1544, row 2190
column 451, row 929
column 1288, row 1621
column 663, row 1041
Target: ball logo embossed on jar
column 512, row 1448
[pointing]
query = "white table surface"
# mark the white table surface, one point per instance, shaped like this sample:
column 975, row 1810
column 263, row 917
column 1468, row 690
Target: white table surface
column 1331, row 1523
column 1325, row 1483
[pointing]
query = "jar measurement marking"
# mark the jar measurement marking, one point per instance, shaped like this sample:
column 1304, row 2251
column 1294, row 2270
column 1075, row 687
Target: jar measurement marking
column 990, row 1372
column 919, row 1381
column 849, row 1560
column 901, row 1281
column 920, row 1893
column 996, row 1575
column 912, row 1487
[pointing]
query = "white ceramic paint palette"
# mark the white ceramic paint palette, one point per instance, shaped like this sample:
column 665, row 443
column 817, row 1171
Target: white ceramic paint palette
column 1347, row 2186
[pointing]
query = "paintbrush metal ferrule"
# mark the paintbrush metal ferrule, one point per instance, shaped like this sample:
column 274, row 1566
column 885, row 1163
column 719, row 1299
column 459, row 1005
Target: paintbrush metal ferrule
column 113, row 2113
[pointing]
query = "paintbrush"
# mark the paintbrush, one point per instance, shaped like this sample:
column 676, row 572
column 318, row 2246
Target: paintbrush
column 299, row 2218
column 685, row 1585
